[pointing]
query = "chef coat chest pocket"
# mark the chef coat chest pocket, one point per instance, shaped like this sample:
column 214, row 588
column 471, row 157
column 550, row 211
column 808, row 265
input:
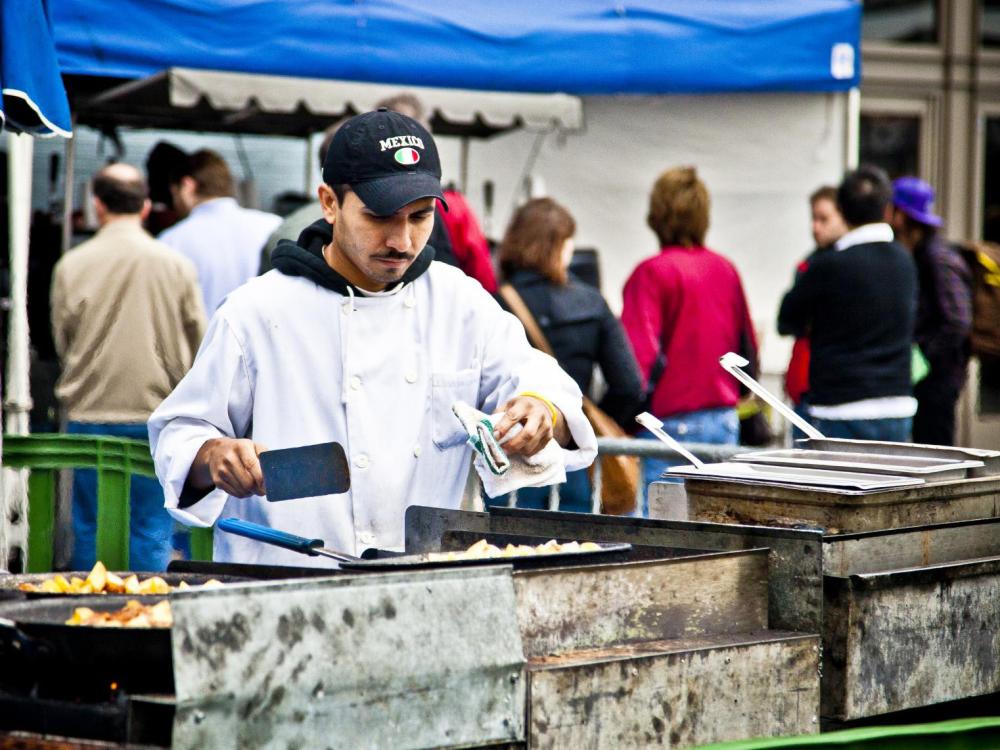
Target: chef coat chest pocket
column 446, row 389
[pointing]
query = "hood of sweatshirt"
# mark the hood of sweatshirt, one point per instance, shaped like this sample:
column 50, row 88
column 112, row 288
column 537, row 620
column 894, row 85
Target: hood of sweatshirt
column 304, row 257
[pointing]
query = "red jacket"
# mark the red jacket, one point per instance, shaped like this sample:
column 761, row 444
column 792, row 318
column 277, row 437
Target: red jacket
column 797, row 375
column 687, row 303
column 468, row 242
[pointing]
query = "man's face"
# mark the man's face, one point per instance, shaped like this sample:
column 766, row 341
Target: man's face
column 827, row 224
column 372, row 251
column 184, row 194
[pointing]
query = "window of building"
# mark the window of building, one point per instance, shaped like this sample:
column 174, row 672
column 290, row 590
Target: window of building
column 989, row 26
column 991, row 181
column 988, row 402
column 989, row 386
column 891, row 142
column 900, row 21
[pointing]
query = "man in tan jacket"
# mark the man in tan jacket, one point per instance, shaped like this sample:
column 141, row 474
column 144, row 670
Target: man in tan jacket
column 128, row 318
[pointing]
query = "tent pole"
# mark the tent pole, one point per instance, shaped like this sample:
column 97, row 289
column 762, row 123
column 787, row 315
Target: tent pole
column 17, row 401
column 852, row 129
column 463, row 174
column 309, row 166
column 17, row 397
column 69, row 170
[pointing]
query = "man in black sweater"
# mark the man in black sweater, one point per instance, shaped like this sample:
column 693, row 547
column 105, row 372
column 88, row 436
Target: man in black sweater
column 858, row 304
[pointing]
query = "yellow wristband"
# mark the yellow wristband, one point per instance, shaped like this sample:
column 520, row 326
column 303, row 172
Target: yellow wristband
column 540, row 397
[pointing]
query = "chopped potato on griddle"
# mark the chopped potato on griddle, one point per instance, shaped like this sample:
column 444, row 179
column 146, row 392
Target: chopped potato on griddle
column 133, row 615
column 154, row 585
column 101, row 581
column 484, row 550
column 98, row 577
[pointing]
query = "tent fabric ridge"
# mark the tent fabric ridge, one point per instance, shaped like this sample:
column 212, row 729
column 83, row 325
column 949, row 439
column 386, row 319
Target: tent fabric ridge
column 235, row 91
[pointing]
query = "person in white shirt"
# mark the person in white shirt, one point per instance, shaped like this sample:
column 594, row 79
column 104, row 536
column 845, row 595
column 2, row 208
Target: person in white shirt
column 357, row 336
column 220, row 237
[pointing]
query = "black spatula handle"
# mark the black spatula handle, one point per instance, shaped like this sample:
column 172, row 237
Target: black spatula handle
column 268, row 535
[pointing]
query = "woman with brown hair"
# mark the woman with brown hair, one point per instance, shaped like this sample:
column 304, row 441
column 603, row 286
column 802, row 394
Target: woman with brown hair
column 683, row 309
column 534, row 258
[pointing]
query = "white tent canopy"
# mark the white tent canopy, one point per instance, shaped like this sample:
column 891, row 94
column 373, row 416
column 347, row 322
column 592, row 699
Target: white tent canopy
column 211, row 100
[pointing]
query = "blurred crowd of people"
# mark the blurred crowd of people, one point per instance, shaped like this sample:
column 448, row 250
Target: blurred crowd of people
column 880, row 311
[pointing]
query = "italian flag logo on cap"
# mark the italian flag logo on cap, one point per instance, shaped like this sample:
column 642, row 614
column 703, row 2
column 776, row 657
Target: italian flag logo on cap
column 407, row 156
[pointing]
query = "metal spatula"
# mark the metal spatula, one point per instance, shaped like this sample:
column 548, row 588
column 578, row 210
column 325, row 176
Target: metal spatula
column 305, row 471
column 655, row 426
column 732, row 362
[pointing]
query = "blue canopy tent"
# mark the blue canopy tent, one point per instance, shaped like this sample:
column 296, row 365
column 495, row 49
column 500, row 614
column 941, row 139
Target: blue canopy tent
column 34, row 99
column 577, row 46
column 118, row 55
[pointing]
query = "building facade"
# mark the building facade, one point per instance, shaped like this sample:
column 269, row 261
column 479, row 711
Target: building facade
column 930, row 106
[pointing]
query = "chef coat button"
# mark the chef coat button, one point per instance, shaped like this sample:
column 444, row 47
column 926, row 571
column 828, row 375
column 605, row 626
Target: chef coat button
column 355, row 383
column 411, row 376
column 416, row 451
column 361, row 461
column 366, row 538
column 408, row 302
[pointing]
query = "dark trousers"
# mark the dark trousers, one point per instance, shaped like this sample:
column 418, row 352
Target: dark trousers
column 934, row 422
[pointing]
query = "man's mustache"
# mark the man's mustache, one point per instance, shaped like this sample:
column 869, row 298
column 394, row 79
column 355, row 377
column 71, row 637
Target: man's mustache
column 394, row 255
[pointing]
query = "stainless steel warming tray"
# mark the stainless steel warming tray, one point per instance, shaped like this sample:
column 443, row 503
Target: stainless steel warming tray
column 928, row 468
column 850, row 482
column 990, row 458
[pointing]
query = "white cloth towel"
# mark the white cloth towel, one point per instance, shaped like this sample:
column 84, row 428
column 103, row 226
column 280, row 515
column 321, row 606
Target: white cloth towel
column 502, row 474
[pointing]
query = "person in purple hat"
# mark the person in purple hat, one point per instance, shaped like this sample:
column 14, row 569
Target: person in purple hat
column 944, row 310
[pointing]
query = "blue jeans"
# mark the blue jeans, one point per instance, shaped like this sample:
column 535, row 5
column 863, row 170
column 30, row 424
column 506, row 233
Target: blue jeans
column 150, row 525
column 895, row 430
column 802, row 409
column 574, row 495
column 713, row 426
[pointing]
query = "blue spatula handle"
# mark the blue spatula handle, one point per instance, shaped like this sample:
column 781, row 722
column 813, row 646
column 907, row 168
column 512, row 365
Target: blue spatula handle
column 270, row 536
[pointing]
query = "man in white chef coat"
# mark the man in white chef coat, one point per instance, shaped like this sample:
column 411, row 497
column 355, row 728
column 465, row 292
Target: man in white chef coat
column 356, row 336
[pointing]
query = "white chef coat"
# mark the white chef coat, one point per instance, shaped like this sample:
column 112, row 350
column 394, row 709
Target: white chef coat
column 287, row 362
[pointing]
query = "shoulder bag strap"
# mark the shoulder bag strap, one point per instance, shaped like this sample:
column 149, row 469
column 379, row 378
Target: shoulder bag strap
column 522, row 313
column 531, row 327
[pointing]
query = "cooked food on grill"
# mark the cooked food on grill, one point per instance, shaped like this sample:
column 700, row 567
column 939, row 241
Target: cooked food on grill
column 100, row 581
column 133, row 615
column 483, row 549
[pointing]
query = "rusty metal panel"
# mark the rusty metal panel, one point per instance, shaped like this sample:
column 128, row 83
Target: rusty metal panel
column 429, row 659
column 909, row 638
column 676, row 693
column 566, row 609
column 795, row 581
column 871, row 552
column 843, row 512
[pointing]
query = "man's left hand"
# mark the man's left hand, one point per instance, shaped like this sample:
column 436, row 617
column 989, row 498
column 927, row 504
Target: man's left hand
column 535, row 419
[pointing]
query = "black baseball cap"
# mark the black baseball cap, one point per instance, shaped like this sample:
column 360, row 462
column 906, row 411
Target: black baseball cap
column 387, row 158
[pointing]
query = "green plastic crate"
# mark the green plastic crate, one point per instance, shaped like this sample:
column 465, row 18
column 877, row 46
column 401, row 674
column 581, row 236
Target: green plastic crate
column 116, row 460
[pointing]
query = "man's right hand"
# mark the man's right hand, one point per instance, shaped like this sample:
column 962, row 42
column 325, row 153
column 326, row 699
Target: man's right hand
column 229, row 464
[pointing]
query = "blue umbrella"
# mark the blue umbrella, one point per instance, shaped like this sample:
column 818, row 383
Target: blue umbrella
column 34, row 98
